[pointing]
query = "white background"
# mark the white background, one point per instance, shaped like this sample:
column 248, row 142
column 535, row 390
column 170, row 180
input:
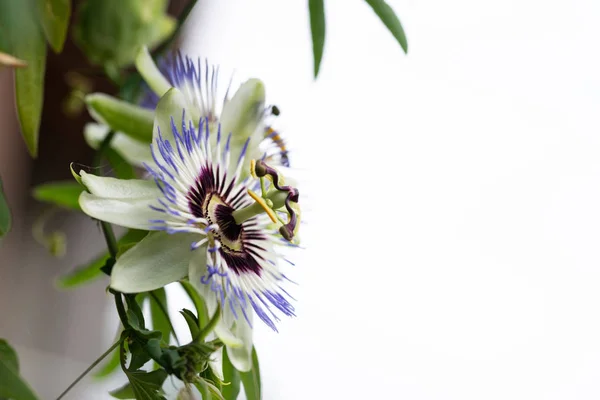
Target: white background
column 453, row 196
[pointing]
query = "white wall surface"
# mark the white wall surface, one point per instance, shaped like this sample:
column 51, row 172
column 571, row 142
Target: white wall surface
column 453, row 196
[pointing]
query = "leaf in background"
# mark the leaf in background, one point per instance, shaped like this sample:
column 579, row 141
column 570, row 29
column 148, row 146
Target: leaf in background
column 5, row 219
column 83, row 274
column 122, row 169
column 89, row 272
column 120, row 116
column 231, row 379
column 316, row 10
column 54, row 15
column 12, row 386
column 21, row 36
column 160, row 316
column 389, row 19
column 9, row 61
column 110, row 366
column 111, row 31
column 251, row 379
column 201, row 310
column 63, row 193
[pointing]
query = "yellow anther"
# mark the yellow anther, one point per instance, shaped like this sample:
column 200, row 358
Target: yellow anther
column 252, row 169
column 263, row 204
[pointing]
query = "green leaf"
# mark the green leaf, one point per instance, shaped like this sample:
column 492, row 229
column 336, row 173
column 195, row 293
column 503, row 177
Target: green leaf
column 124, row 392
column 64, row 194
column 316, row 10
column 390, row 20
column 5, row 218
column 54, row 15
column 12, row 385
column 89, row 272
column 83, row 274
column 110, row 32
column 120, row 116
column 251, row 379
column 201, row 310
column 22, row 37
column 160, row 315
column 231, row 376
column 192, row 322
column 142, row 385
column 122, row 169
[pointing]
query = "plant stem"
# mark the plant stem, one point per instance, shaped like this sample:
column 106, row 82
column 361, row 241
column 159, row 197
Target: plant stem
column 80, row 377
column 103, row 146
column 111, row 241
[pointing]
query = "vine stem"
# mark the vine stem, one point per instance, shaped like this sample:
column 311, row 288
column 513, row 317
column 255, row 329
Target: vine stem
column 88, row 369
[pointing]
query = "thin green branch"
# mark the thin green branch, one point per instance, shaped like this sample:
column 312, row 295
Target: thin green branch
column 88, row 369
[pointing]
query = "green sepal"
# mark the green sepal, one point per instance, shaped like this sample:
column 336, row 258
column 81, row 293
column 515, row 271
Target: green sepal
column 121, row 116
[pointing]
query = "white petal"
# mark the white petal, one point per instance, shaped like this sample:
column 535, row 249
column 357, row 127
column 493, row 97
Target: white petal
column 241, row 357
column 113, row 188
column 243, row 117
column 242, row 114
column 157, row 260
column 133, row 151
column 197, row 269
column 131, row 213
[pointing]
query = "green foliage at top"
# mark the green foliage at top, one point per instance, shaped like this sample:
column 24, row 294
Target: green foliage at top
column 110, row 31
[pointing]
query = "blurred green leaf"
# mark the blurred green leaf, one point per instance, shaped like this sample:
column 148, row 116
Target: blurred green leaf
column 12, row 385
column 201, row 310
column 22, row 37
column 122, row 169
column 160, row 314
column 54, row 15
column 110, row 365
column 110, row 31
column 5, row 218
column 121, row 116
column 390, row 20
column 251, row 379
column 316, row 10
column 142, row 385
column 231, row 377
column 83, row 274
column 89, row 272
column 63, row 193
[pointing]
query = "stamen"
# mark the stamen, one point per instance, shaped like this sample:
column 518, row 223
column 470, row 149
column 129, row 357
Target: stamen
column 263, row 204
